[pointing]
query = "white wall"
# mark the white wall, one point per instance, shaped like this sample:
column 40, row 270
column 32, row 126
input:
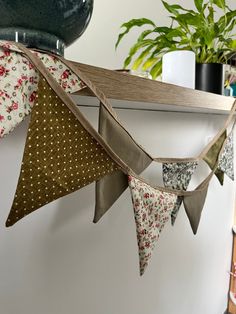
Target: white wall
column 97, row 45
column 56, row 261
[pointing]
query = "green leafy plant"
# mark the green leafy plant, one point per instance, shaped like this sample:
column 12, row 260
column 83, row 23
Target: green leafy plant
column 211, row 39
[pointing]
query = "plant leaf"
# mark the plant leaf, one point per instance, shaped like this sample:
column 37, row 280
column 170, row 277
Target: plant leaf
column 173, row 8
column 144, row 34
column 127, row 61
column 162, row 29
column 220, row 3
column 225, row 20
column 176, row 32
column 156, row 69
column 149, row 63
column 141, row 57
column 132, row 23
column 199, row 5
column 138, row 45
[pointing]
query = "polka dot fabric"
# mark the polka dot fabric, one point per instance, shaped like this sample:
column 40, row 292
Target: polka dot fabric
column 60, row 156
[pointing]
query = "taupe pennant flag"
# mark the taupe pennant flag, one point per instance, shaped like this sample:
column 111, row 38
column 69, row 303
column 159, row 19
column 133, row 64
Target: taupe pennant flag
column 110, row 187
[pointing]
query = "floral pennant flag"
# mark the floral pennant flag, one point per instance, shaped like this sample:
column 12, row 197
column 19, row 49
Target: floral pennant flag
column 152, row 209
column 226, row 160
column 212, row 155
column 60, row 156
column 19, row 83
column 194, row 204
column 177, row 175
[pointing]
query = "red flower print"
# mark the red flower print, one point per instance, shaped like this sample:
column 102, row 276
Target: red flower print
column 1, row 118
column 73, row 82
column 64, row 85
column 24, row 77
column 19, row 81
column 32, row 97
column 143, row 232
column 2, row 70
column 65, row 74
column 6, row 46
column 146, row 195
column 7, row 53
column 30, row 65
column 14, row 105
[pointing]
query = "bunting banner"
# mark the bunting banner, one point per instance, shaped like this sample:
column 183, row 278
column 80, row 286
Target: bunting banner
column 177, row 176
column 60, row 156
column 152, row 210
column 63, row 153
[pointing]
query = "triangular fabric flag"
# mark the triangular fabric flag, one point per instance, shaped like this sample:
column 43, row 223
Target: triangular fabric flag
column 60, row 156
column 212, row 155
column 177, row 175
column 226, row 160
column 152, row 209
column 109, row 188
column 194, row 204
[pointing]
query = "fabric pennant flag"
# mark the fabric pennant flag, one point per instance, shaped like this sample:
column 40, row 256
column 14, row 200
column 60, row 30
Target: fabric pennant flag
column 177, row 175
column 212, row 155
column 226, row 161
column 60, row 156
column 109, row 188
column 194, row 204
column 152, row 209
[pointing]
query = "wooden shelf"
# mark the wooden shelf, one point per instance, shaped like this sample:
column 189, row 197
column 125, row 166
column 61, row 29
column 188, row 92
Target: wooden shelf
column 132, row 92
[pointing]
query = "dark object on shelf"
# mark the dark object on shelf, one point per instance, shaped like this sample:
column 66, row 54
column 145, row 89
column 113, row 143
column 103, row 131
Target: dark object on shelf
column 232, row 60
column 44, row 24
column 210, row 77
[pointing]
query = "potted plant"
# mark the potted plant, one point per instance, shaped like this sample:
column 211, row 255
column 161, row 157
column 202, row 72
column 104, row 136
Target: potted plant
column 212, row 40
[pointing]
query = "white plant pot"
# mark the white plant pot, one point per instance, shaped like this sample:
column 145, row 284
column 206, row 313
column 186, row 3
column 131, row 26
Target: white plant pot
column 178, row 67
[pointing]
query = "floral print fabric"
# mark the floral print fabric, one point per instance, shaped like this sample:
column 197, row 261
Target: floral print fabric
column 152, row 209
column 226, row 161
column 19, row 83
column 177, row 176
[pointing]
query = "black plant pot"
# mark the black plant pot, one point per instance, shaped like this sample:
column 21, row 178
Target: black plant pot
column 44, row 24
column 210, row 77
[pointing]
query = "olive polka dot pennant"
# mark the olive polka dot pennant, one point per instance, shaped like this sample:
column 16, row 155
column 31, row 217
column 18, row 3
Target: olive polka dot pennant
column 60, row 156
column 211, row 157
